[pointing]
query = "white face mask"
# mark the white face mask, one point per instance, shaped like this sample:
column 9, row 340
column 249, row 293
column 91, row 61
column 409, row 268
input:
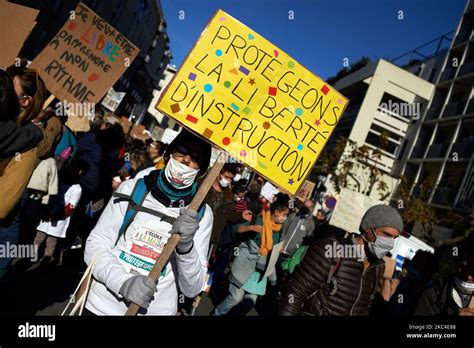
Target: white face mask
column 466, row 287
column 179, row 175
column 237, row 177
column 280, row 219
column 224, row 182
column 381, row 246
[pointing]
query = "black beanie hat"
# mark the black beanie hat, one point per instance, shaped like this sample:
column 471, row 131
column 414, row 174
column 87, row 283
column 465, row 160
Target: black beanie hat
column 196, row 147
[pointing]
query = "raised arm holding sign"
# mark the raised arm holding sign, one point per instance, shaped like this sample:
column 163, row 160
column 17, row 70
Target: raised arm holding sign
column 244, row 95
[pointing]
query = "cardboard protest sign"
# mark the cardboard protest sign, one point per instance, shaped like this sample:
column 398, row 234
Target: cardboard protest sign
column 85, row 58
column 78, row 123
column 268, row 191
column 350, row 208
column 16, row 23
column 273, row 259
column 250, row 98
column 306, row 190
column 407, row 248
column 389, row 267
column 113, row 99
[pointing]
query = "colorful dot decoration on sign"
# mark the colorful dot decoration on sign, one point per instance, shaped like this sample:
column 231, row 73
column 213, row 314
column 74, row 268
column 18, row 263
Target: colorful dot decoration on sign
column 244, row 70
column 175, row 108
column 325, row 89
column 252, row 82
column 339, row 101
column 234, row 106
column 234, row 71
column 272, row 91
column 208, row 133
column 218, row 53
column 261, row 165
column 227, row 84
column 299, row 112
column 266, row 125
column 226, row 141
column 207, row 87
column 246, row 110
column 275, row 53
column 243, row 153
column 251, row 37
column 291, row 181
column 317, row 122
column 71, row 26
column 191, row 119
column 221, row 19
column 291, row 64
column 192, row 76
column 300, row 147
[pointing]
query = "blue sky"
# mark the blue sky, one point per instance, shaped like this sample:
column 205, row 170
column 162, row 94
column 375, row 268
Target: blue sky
column 323, row 32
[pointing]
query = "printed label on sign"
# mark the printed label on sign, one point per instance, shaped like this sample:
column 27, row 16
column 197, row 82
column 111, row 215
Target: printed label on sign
column 147, row 242
column 144, row 244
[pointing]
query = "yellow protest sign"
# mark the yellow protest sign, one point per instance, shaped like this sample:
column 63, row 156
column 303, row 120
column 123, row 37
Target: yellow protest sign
column 250, row 98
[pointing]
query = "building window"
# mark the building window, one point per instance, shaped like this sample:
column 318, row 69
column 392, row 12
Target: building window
column 374, row 140
column 432, row 75
column 381, row 130
column 396, row 107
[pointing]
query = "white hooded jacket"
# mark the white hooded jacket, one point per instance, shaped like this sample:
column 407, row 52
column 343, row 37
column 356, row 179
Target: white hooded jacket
column 135, row 253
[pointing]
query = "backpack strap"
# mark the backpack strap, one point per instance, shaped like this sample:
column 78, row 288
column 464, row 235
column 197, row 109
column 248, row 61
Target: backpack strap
column 335, row 265
column 331, row 281
column 135, row 205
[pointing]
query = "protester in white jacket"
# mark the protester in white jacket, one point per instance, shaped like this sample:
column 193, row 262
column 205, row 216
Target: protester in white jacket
column 121, row 266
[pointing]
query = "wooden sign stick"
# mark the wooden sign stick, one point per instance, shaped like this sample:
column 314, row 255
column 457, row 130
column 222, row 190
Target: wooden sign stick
column 174, row 239
column 48, row 101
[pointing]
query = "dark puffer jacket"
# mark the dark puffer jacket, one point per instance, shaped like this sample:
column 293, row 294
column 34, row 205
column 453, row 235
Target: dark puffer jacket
column 307, row 291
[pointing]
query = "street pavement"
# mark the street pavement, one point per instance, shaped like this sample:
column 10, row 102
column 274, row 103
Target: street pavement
column 32, row 289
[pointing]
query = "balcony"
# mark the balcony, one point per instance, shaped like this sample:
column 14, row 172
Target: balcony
column 467, row 202
column 448, row 74
column 454, row 108
column 437, row 150
column 462, row 37
column 466, row 68
column 470, row 108
column 463, row 149
column 432, row 113
column 470, row 7
column 418, row 151
column 444, row 196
